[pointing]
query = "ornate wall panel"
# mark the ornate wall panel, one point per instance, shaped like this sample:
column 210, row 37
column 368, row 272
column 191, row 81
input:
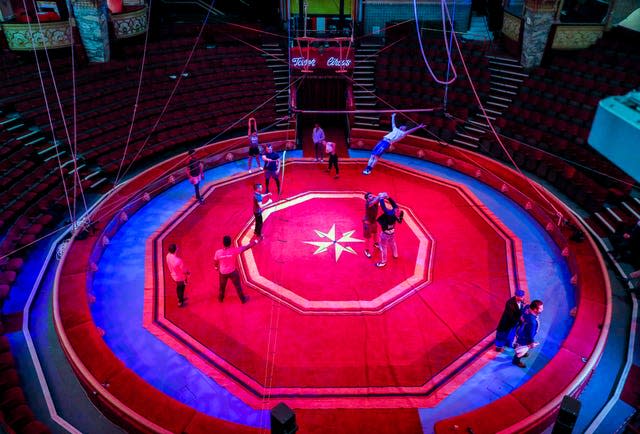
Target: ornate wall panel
column 130, row 24
column 22, row 37
column 576, row 37
column 511, row 26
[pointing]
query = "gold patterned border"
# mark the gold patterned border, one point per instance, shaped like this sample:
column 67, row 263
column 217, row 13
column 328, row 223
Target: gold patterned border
column 511, row 26
column 130, row 24
column 576, row 37
column 22, row 37
column 542, row 5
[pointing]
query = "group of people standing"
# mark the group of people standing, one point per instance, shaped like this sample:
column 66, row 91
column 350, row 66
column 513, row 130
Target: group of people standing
column 378, row 227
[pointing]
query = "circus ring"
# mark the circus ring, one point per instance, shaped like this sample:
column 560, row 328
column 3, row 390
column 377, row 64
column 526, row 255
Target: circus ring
column 121, row 388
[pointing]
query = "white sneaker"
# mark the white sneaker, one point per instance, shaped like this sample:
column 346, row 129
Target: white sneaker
column 380, row 264
column 367, row 253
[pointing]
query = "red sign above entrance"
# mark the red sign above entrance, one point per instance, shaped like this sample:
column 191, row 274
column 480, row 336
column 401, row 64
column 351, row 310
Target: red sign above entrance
column 308, row 59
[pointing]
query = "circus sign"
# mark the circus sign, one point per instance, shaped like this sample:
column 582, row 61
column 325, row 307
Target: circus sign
column 311, row 59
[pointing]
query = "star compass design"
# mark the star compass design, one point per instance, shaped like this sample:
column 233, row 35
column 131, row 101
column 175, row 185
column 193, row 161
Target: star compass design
column 323, row 246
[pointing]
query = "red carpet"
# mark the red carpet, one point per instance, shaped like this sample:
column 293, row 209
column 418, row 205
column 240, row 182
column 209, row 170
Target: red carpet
column 302, row 337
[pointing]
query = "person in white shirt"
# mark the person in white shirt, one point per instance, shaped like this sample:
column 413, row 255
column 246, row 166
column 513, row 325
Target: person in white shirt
column 330, row 149
column 396, row 133
column 318, row 138
column 178, row 273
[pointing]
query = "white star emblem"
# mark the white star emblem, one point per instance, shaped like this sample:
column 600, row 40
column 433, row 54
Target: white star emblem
column 323, row 246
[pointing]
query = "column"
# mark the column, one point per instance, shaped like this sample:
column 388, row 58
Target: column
column 537, row 20
column 91, row 19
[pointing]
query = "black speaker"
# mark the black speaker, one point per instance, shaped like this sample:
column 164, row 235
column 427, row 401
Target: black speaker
column 283, row 420
column 567, row 416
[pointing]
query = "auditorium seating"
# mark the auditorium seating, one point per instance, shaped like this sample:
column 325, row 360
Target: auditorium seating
column 217, row 90
column 547, row 126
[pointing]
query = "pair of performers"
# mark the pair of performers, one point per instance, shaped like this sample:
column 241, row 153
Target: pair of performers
column 391, row 215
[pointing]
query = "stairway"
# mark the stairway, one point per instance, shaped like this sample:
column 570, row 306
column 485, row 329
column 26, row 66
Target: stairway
column 506, row 77
column 277, row 60
column 603, row 224
column 364, row 87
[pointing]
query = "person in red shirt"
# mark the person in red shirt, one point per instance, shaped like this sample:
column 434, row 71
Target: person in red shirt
column 178, row 272
column 225, row 262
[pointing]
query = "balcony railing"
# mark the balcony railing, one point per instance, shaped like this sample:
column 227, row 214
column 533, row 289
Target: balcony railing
column 21, row 37
column 129, row 24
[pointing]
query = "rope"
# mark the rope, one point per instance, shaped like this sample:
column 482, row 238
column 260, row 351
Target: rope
column 446, row 88
column 135, row 105
column 444, row 32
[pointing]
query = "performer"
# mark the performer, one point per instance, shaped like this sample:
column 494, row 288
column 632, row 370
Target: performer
column 258, row 206
column 254, row 150
column 330, row 149
column 511, row 317
column 195, row 173
column 388, row 219
column 526, row 332
column 318, row 138
column 369, row 223
column 225, row 262
column 254, row 144
column 178, row 273
column 271, row 167
column 393, row 136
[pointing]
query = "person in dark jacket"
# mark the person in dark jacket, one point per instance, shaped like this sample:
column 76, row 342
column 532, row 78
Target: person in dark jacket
column 526, row 332
column 391, row 214
column 509, row 320
column 195, row 173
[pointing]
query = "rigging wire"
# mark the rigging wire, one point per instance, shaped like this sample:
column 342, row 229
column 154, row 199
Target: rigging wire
column 53, row 134
column 72, row 143
column 135, row 105
column 173, row 91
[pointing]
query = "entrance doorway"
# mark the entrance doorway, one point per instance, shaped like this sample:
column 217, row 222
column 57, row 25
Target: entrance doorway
column 327, row 93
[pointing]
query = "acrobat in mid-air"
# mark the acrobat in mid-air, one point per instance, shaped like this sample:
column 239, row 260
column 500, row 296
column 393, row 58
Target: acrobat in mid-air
column 396, row 134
